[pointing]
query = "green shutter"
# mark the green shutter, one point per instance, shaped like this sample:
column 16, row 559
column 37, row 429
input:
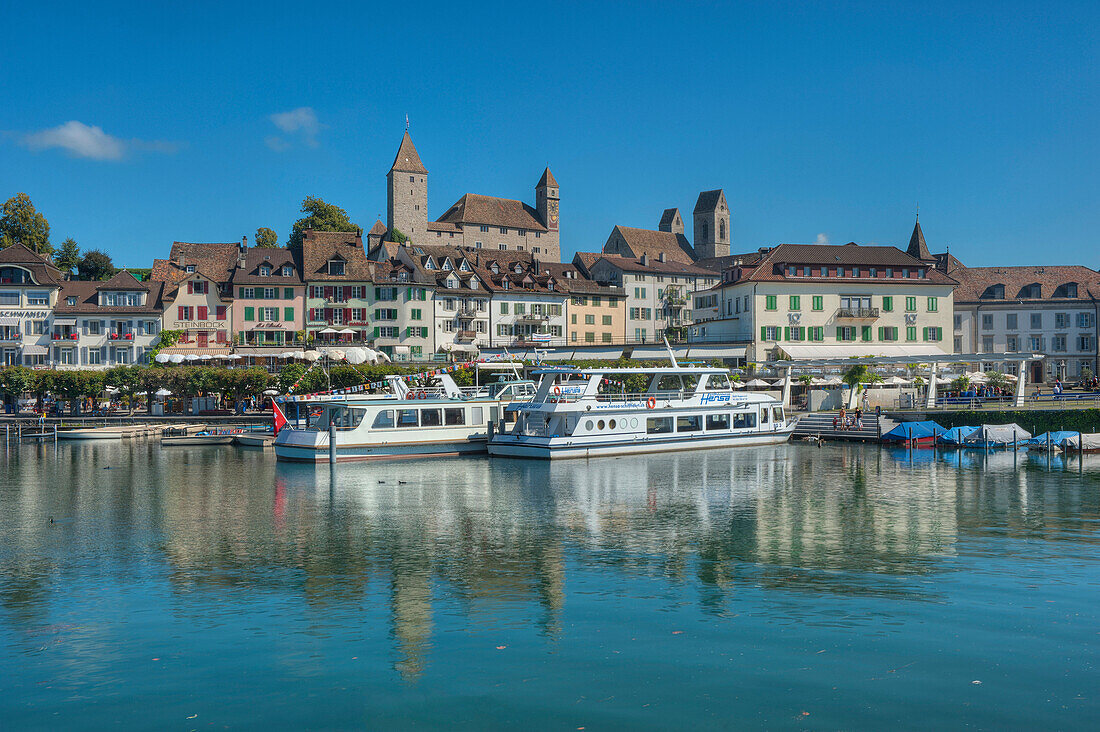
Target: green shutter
column 376, row 331
column 887, row 304
column 786, row 333
column 866, row 333
column 839, row 333
column 763, row 333
column 801, row 332
column 249, row 314
column 880, row 332
column 288, row 293
column 288, row 313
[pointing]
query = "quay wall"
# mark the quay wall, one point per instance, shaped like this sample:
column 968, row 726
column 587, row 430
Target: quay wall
column 1035, row 421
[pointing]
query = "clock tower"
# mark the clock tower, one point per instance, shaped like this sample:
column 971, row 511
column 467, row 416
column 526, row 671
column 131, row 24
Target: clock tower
column 546, row 200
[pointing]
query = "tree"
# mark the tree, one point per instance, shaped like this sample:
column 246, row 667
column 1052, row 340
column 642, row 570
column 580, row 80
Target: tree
column 127, row 379
column 320, row 216
column 67, row 258
column 95, row 265
column 22, row 223
column 266, row 238
column 996, row 380
column 14, row 382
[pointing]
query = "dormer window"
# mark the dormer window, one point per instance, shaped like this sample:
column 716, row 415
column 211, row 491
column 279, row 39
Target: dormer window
column 447, row 265
column 336, row 267
column 518, row 269
column 506, row 285
column 994, row 292
column 464, row 266
column 550, row 286
column 474, row 283
column 70, row 300
column 189, row 268
column 429, row 263
column 494, row 268
column 403, row 276
column 1069, row 289
column 265, row 271
column 287, row 271
column 451, row 283
column 1033, row 291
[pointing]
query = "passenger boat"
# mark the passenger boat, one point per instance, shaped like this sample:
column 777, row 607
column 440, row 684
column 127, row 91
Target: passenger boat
column 409, row 424
column 683, row 408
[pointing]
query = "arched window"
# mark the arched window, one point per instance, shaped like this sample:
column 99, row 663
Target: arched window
column 721, row 231
column 703, row 231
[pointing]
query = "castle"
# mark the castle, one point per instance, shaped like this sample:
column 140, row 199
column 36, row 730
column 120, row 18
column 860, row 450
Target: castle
column 474, row 221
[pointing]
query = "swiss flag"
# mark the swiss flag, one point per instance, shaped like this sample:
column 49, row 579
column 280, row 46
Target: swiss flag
column 280, row 418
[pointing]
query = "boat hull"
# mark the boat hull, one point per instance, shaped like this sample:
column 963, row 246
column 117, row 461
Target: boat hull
column 564, row 448
column 396, row 451
column 88, row 435
column 197, row 440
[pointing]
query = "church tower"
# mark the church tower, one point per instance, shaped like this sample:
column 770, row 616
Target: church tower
column 671, row 221
column 712, row 225
column 546, row 205
column 918, row 248
column 407, row 193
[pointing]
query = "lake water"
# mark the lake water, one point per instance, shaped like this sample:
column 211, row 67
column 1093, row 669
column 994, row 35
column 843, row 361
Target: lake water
column 781, row 587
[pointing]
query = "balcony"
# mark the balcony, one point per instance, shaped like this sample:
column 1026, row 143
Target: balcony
column 120, row 337
column 676, row 301
column 64, row 336
column 857, row 314
column 533, row 318
column 465, row 335
column 466, row 313
column 9, row 336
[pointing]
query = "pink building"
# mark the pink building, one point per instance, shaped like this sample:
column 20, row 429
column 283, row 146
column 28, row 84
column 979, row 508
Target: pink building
column 269, row 297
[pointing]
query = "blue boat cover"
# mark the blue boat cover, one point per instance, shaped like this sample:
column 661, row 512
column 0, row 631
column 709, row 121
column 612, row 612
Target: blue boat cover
column 916, row 430
column 1056, row 437
column 957, row 435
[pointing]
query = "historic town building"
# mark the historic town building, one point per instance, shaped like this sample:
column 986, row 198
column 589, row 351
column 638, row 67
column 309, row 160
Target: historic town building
column 103, row 324
column 198, row 295
column 528, row 305
column 1052, row 310
column 475, row 221
column 29, row 286
column 711, row 219
column 828, row 301
column 269, row 297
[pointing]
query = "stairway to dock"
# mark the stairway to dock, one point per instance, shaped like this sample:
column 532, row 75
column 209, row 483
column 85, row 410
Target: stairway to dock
column 820, row 424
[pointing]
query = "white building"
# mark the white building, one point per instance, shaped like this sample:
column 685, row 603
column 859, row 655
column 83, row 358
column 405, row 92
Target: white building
column 29, row 285
column 101, row 324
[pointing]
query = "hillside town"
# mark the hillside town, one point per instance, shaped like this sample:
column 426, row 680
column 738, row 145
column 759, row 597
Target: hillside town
column 486, row 278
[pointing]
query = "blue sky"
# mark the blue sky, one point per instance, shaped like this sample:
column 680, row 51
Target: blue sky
column 133, row 125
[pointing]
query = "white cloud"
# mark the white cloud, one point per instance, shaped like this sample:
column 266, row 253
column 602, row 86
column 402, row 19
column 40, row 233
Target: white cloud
column 90, row 141
column 301, row 122
column 821, row 239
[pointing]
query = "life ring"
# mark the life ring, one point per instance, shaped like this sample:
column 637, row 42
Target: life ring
column 557, row 391
column 411, row 396
column 650, row 403
column 422, row 395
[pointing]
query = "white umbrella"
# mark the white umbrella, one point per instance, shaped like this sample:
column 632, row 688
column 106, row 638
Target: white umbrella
column 234, row 357
column 300, row 354
column 311, row 356
column 356, row 355
column 190, row 357
column 977, row 376
column 834, row 381
column 757, row 383
column 176, row 358
column 286, row 354
column 336, row 354
column 346, row 331
column 161, row 358
column 162, row 392
column 111, row 390
column 271, row 392
column 329, row 330
column 205, row 357
column 818, row 381
column 221, row 356
column 897, row 380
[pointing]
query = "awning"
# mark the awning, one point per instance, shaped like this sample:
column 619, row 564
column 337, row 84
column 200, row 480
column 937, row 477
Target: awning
column 64, row 321
column 716, row 352
column 33, row 350
column 657, row 352
column 856, row 350
column 404, row 350
column 184, row 351
column 9, row 321
column 272, row 351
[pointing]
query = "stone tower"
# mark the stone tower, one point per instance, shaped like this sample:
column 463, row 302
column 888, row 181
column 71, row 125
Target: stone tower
column 407, row 193
column 917, row 246
column 671, row 221
column 546, row 205
column 712, row 225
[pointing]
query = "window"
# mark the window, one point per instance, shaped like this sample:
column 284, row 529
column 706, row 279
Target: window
column 431, row 417
column 987, row 321
column 93, row 327
column 1061, row 320
column 1084, row 343
column 453, row 417
column 658, row 425
column 589, row 319
column 9, row 298
column 933, row 304
column 336, row 267
column 1084, row 320
column 38, row 298
column 846, row 333
column 689, row 423
column 95, row 357
column 1012, row 343
column 270, row 314
column 888, row 333
column 1011, row 321
column 866, row 333
column 718, row 422
column 415, row 314
column 987, row 344
column 1036, row 321
column 744, row 420
column 910, row 304
column 933, row 333
column 817, row 302
column 796, row 302
column 769, row 333
column 769, row 302
column 406, row 418
column 958, row 344
column 607, row 320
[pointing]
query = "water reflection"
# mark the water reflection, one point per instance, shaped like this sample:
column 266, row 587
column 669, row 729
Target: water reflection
column 471, row 543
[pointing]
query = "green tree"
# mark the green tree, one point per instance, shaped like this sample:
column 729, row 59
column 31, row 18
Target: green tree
column 95, row 265
column 15, row 381
column 266, row 238
column 996, row 380
column 127, row 379
column 22, row 223
column 153, row 378
column 397, row 236
column 961, row 384
column 320, row 216
column 68, row 256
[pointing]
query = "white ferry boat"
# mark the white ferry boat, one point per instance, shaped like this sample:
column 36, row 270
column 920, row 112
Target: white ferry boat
column 407, row 424
column 683, row 408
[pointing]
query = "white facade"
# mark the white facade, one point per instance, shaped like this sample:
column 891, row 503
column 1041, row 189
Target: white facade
column 1065, row 332
column 518, row 314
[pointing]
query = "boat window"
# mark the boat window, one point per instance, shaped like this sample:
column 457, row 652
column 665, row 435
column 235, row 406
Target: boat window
column 384, row 419
column 599, row 425
column 764, row 416
column 744, row 420
column 454, row 416
column 588, row 424
column 346, row 418
column 478, row 415
column 718, row 381
column 689, row 423
column 658, row 425
column 611, row 424
column 431, row 417
column 718, row 421
column 777, row 414
column 406, row 418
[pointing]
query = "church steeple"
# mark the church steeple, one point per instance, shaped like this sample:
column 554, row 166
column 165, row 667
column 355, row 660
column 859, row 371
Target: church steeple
column 917, row 246
column 407, row 193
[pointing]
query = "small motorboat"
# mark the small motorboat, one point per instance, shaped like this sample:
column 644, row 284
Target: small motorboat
column 201, row 438
column 255, row 439
column 915, row 434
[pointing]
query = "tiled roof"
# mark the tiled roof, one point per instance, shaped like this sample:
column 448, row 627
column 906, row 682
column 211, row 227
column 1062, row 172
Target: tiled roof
column 675, row 247
column 443, row 226
column 123, row 281
column 87, row 298
column 771, row 267
column 379, row 229
column 474, row 208
column 720, row 264
column 577, row 283
column 256, row 257
column 547, row 179
column 628, row 264
column 318, row 247
column 44, row 272
column 974, row 282
column 217, row 259
column 917, row 246
column 707, row 201
column 408, row 160
column 668, row 217
column 585, row 260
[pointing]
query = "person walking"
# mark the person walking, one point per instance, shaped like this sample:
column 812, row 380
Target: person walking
column 843, row 418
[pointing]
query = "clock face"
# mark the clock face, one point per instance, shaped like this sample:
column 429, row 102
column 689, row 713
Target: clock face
column 552, row 212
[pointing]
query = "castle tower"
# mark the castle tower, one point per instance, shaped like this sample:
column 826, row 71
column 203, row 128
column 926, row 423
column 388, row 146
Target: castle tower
column 712, row 225
column 671, row 221
column 407, row 193
column 917, row 246
column 546, row 204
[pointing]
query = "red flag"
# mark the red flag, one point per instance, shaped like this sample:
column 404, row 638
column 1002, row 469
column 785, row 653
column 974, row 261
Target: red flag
column 280, row 418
